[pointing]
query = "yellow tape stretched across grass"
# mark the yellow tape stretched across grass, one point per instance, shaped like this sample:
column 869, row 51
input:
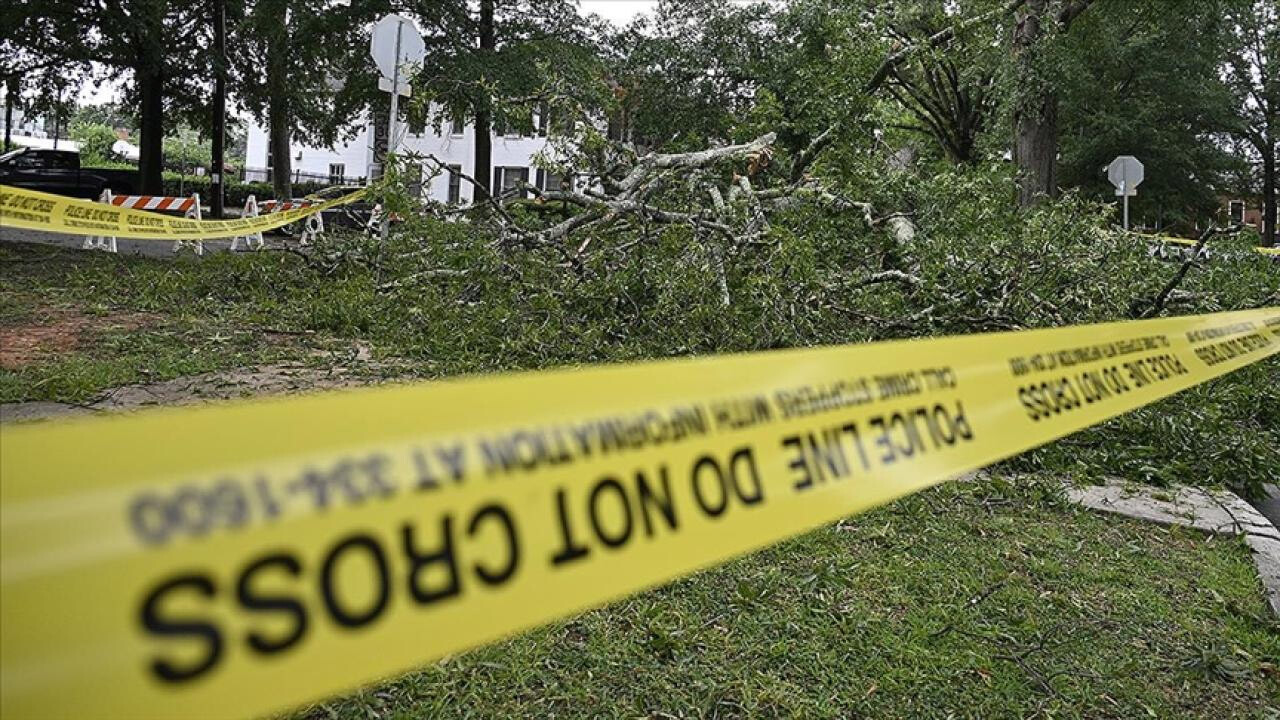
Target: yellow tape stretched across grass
column 1272, row 252
column 33, row 210
column 242, row 559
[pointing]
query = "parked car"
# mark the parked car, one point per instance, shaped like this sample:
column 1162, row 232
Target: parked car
column 59, row 172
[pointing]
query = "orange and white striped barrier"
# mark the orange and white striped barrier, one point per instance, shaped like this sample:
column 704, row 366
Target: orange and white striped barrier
column 188, row 206
column 312, row 225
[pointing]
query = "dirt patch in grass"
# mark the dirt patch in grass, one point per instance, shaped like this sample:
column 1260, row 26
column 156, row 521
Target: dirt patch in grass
column 60, row 330
column 266, row 380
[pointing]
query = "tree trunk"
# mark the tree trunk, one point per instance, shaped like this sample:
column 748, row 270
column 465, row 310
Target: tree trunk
column 1035, row 117
column 149, row 70
column 1035, row 151
column 1269, row 197
column 11, row 91
column 281, row 163
column 278, row 115
column 218, row 181
column 151, row 142
column 483, row 170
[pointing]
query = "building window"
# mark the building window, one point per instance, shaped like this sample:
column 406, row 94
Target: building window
column 554, row 182
column 455, row 184
column 1235, row 212
column 457, row 127
column 507, row 180
column 337, row 173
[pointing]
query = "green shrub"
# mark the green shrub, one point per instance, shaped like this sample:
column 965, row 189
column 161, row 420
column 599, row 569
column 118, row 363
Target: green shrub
column 95, row 144
column 235, row 192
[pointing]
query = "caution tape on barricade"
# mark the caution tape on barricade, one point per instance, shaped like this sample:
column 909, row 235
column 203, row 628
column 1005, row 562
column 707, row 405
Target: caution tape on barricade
column 242, row 559
column 34, row 210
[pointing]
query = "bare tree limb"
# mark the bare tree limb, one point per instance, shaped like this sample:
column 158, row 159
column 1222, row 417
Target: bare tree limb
column 936, row 40
column 1146, row 309
column 689, row 161
column 810, row 153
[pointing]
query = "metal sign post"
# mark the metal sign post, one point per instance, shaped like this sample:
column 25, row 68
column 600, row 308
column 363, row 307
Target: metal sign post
column 1123, row 185
column 395, row 43
column 394, row 114
column 1126, row 173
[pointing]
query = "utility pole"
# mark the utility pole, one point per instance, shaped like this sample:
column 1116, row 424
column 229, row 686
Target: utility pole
column 217, row 178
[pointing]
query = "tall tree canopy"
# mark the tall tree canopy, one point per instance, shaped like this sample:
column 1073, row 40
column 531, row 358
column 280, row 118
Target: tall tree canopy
column 1252, row 72
column 302, row 69
column 157, row 44
column 1145, row 81
column 495, row 63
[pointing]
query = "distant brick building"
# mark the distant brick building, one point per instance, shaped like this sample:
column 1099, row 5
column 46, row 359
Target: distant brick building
column 1242, row 211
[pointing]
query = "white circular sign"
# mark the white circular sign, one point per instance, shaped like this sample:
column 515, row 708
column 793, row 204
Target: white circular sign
column 382, row 46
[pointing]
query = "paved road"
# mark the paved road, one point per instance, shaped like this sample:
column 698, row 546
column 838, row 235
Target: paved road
column 147, row 248
column 1270, row 506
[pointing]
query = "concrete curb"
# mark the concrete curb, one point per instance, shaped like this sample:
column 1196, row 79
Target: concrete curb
column 1215, row 511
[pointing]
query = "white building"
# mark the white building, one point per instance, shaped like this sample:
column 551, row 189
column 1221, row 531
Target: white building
column 512, row 158
column 26, row 126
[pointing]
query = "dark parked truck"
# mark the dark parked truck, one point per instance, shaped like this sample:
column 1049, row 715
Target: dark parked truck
column 59, row 172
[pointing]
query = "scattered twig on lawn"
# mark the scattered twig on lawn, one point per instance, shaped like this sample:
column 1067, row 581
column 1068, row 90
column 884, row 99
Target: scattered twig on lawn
column 425, row 274
column 973, row 602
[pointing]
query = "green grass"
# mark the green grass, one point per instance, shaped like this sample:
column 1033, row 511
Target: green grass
column 41, row 286
column 510, row 311
column 988, row 599
column 974, row 600
column 112, row 359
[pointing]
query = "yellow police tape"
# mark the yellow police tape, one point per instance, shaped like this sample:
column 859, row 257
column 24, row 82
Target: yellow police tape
column 242, row 559
column 33, row 210
column 1273, row 252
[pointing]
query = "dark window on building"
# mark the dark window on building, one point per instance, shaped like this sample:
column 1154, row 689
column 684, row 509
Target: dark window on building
column 413, row 180
column 619, row 129
column 507, row 179
column 553, row 182
column 457, row 127
column 455, row 184
column 337, row 173
column 1236, row 212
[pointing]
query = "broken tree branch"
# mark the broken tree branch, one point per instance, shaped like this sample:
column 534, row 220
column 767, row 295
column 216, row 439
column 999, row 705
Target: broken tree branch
column 1153, row 307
